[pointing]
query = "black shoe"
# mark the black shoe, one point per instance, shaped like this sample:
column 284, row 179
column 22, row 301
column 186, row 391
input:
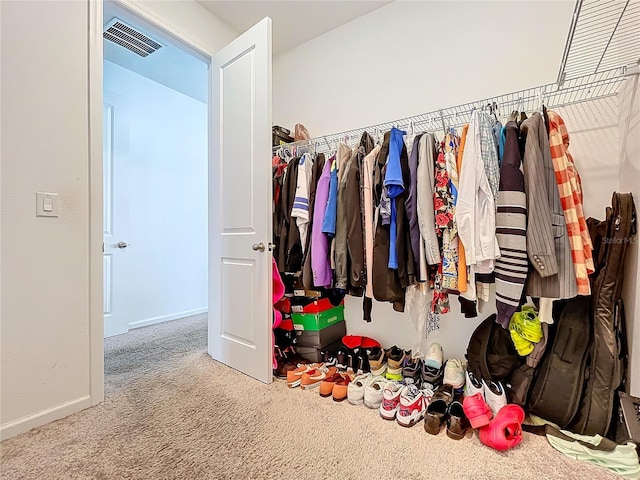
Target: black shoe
column 457, row 421
column 342, row 358
column 362, row 362
column 411, row 371
column 438, row 409
column 431, row 377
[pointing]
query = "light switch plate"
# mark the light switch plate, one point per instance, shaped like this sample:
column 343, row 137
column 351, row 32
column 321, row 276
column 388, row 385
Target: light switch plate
column 47, row 204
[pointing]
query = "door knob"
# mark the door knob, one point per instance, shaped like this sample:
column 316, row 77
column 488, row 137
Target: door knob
column 122, row 245
column 258, row 247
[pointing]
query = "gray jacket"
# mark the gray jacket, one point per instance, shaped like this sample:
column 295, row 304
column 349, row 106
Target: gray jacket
column 426, row 213
column 553, row 274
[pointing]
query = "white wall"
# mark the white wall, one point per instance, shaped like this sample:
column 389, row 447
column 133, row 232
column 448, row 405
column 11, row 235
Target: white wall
column 630, row 182
column 165, row 273
column 45, row 324
column 393, row 63
column 45, row 305
column 410, row 57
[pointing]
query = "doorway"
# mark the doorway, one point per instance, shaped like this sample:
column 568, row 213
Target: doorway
column 155, row 129
column 238, row 184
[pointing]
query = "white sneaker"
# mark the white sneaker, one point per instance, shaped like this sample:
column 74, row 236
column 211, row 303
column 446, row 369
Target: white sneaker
column 373, row 391
column 434, row 357
column 494, row 396
column 454, row 373
column 412, row 406
column 390, row 400
column 472, row 385
column 355, row 389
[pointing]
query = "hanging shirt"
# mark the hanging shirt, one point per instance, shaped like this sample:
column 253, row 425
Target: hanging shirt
column 329, row 220
column 394, row 186
column 511, row 230
column 462, row 258
column 300, row 210
column 475, row 209
column 501, row 141
column 411, row 203
column 450, row 234
column 320, row 264
column 367, row 180
column 489, row 154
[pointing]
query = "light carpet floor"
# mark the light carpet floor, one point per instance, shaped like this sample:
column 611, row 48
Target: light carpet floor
column 171, row 412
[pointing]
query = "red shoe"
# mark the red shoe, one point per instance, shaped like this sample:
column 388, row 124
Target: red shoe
column 352, row 341
column 505, row 430
column 477, row 410
column 341, row 387
column 369, row 343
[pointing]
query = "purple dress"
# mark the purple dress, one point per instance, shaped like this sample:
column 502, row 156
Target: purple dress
column 320, row 264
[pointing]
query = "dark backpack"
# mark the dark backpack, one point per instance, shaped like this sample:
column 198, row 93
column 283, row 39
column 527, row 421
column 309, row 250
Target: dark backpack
column 491, row 354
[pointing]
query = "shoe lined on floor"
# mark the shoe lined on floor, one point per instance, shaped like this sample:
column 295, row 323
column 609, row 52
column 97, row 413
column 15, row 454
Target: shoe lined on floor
column 438, row 408
column 434, row 357
column 411, row 407
column 457, row 422
column 295, row 376
column 431, row 377
column 362, row 362
column 395, row 359
column 287, row 363
column 505, row 430
column 328, row 357
column 390, row 400
column 355, row 390
column 494, row 396
column 342, row 358
column 411, row 371
column 373, row 391
column 313, row 378
column 472, row 385
column 377, row 361
column 341, row 387
column 477, row 410
column 454, row 373
column 326, row 386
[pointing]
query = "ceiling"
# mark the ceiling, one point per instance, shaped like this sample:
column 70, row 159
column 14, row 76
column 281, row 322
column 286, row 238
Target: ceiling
column 293, row 22
column 187, row 74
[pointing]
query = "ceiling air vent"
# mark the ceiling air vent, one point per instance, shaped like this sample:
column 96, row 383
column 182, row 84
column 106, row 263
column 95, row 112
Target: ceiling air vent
column 126, row 36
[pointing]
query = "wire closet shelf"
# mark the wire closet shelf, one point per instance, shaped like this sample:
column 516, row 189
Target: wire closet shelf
column 586, row 88
column 603, row 35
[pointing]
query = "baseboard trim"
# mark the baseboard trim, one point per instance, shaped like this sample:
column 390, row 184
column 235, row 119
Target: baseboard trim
column 24, row 424
column 166, row 318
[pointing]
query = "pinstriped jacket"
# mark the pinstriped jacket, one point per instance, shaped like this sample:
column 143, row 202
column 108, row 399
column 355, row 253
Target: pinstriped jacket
column 553, row 274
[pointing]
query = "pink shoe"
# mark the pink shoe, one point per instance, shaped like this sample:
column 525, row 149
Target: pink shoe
column 505, row 430
column 477, row 410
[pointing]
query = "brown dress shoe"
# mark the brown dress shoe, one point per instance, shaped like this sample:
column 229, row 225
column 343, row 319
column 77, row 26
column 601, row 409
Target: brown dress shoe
column 457, row 421
column 438, row 409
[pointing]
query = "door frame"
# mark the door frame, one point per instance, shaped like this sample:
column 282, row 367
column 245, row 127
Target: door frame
column 95, row 196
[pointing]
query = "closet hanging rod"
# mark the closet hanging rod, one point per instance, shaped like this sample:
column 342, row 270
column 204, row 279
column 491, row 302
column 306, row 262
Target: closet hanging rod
column 577, row 90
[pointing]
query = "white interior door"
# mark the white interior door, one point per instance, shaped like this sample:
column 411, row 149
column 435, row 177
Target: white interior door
column 240, row 314
column 116, row 212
